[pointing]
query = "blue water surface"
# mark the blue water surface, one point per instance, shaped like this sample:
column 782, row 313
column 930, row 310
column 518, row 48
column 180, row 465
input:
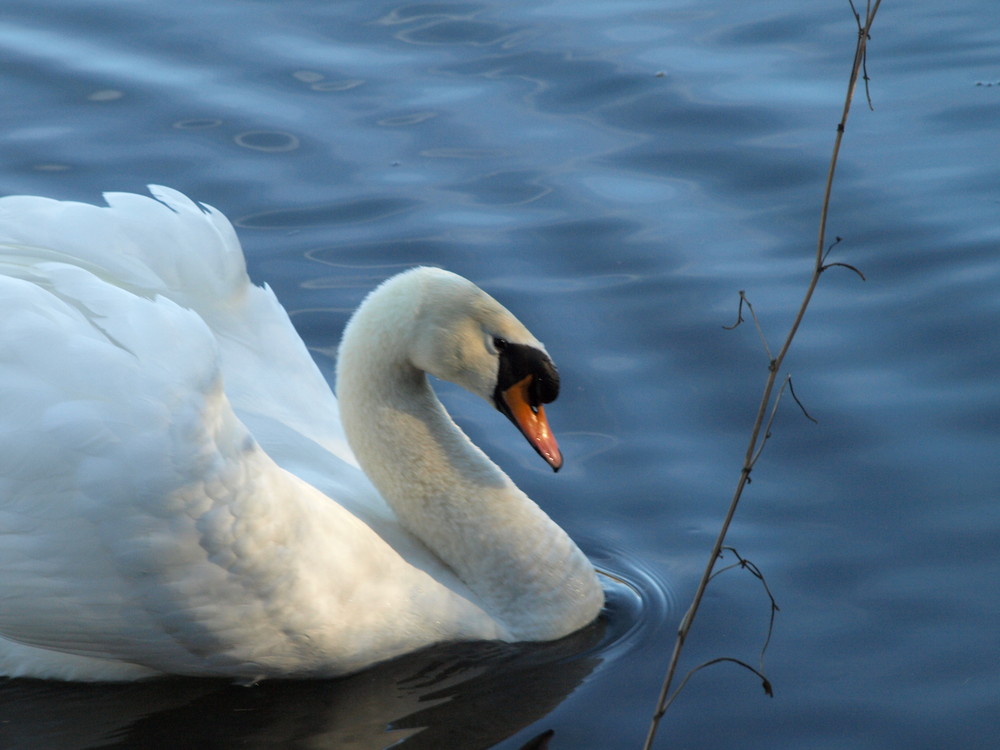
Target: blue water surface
column 615, row 173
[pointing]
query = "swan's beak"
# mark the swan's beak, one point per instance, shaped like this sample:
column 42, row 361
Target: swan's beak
column 531, row 421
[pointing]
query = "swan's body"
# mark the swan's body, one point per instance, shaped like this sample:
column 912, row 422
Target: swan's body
column 178, row 493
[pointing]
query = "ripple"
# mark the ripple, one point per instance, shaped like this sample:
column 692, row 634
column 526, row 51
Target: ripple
column 584, row 446
column 638, row 601
column 272, row 141
column 463, row 153
column 458, row 31
column 197, row 123
column 348, row 212
column 507, row 188
column 364, row 276
column 308, row 76
column 630, row 190
column 105, row 95
column 404, row 120
column 345, row 85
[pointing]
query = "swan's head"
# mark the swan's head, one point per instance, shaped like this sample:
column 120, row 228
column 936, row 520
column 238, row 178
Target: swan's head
column 461, row 334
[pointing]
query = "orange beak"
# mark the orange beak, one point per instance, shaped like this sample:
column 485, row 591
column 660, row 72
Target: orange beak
column 531, row 421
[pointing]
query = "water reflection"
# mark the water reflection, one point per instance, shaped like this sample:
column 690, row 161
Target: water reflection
column 461, row 695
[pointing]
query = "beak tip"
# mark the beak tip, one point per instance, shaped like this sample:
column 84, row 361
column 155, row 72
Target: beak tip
column 530, row 420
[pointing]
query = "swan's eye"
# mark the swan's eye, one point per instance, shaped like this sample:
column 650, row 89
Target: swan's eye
column 499, row 344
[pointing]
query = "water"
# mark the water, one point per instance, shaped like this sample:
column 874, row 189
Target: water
column 614, row 172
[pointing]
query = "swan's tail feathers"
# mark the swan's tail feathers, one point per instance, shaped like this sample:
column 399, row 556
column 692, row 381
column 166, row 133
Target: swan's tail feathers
column 162, row 245
column 167, row 246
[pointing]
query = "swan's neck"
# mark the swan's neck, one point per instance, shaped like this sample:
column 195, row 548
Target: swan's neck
column 525, row 570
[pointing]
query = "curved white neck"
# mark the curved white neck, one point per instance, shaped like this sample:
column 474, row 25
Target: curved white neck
column 526, row 571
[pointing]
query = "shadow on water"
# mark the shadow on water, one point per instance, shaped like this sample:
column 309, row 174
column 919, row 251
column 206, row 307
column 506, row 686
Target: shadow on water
column 469, row 696
column 455, row 695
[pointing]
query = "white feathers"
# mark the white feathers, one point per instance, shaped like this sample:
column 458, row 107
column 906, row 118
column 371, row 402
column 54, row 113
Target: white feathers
column 176, row 490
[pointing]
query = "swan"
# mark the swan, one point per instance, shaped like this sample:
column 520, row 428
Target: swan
column 181, row 492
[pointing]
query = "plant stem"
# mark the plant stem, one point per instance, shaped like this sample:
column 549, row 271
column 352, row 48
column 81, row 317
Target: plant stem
column 774, row 367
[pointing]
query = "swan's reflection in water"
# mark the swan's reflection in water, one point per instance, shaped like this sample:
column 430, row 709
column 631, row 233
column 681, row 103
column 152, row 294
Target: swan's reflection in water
column 454, row 696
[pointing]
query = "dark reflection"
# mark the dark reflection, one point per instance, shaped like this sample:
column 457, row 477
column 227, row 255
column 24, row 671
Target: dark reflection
column 468, row 695
column 464, row 695
column 541, row 742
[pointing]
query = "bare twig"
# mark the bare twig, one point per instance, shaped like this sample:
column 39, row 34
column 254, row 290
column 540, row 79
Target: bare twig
column 739, row 312
column 847, row 266
column 836, row 241
column 791, row 389
column 760, row 331
column 744, row 302
column 742, row 562
column 864, row 53
column 765, row 683
column 831, row 265
column 757, row 438
column 770, row 421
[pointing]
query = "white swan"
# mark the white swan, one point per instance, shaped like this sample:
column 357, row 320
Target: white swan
column 179, row 494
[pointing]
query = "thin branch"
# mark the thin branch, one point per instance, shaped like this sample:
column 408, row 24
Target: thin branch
column 760, row 331
column 836, row 241
column 745, row 564
column 848, row 266
column 665, row 697
column 791, row 389
column 864, row 54
column 765, row 683
column 742, row 562
column 739, row 312
column 826, row 265
column 770, row 422
column 739, row 319
column 857, row 16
